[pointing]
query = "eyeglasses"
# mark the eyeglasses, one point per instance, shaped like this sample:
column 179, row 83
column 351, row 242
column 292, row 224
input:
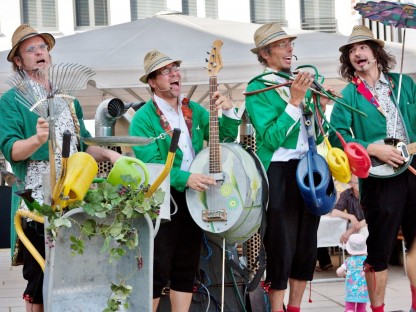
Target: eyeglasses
column 33, row 49
column 167, row 70
column 283, row 45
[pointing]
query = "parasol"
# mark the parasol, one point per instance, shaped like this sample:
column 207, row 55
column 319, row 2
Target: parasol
column 396, row 14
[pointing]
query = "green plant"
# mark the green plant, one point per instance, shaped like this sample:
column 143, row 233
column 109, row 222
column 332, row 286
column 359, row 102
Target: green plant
column 112, row 210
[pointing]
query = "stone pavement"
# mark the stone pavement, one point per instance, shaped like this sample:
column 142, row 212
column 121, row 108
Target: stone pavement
column 327, row 294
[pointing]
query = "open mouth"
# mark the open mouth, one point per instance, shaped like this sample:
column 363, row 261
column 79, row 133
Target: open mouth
column 362, row 62
column 174, row 83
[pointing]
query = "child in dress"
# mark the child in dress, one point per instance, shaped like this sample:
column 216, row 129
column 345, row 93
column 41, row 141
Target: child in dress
column 356, row 294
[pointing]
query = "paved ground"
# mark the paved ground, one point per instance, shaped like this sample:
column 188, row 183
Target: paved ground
column 326, row 293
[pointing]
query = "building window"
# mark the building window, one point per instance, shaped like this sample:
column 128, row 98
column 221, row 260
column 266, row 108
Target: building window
column 211, row 9
column 91, row 13
column 144, row 8
column 40, row 14
column 189, row 7
column 266, row 11
column 318, row 15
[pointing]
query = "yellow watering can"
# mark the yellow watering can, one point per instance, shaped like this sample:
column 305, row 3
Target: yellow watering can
column 81, row 170
column 338, row 163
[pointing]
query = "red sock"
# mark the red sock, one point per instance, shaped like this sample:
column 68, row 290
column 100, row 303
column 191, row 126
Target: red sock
column 377, row 309
column 413, row 289
column 289, row 308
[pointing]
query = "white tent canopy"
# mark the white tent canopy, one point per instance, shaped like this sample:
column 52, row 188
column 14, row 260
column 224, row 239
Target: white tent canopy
column 116, row 55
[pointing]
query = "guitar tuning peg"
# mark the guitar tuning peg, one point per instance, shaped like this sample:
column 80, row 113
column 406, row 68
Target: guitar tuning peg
column 207, row 52
column 206, row 60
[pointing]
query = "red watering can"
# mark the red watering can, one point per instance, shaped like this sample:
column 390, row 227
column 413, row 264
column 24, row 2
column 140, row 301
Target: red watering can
column 359, row 160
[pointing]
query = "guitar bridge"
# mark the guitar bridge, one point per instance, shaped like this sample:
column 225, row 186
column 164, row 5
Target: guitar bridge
column 214, row 215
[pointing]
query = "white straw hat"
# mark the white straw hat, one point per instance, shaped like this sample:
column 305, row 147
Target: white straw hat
column 267, row 34
column 24, row 32
column 155, row 60
column 361, row 33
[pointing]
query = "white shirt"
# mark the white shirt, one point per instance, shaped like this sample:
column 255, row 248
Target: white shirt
column 176, row 120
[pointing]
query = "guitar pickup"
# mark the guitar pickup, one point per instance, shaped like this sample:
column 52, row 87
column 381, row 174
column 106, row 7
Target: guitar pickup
column 402, row 147
column 214, row 215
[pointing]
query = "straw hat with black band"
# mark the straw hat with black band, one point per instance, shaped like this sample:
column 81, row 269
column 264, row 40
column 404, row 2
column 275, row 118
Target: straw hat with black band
column 155, row 60
column 360, row 33
column 24, row 32
column 267, row 34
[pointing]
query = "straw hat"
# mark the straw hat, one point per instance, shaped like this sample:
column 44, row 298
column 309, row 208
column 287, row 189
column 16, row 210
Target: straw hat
column 267, row 34
column 155, row 60
column 24, row 32
column 356, row 244
column 361, row 33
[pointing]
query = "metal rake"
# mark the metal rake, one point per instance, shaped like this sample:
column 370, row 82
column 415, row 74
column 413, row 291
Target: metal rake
column 61, row 82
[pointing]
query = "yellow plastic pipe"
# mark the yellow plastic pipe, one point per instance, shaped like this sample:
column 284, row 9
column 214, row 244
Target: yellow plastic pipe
column 19, row 230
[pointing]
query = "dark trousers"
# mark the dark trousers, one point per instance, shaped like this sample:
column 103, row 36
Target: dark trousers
column 291, row 235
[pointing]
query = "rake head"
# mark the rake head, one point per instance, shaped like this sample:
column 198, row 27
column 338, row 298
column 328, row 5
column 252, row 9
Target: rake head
column 50, row 91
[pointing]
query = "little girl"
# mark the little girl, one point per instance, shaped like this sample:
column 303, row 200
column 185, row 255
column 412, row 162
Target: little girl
column 356, row 294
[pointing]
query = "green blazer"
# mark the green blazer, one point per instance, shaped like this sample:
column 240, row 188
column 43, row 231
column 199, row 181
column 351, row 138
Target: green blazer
column 146, row 123
column 365, row 130
column 274, row 127
column 18, row 124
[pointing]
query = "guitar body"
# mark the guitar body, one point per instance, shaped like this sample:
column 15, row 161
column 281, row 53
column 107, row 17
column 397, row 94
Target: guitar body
column 233, row 208
column 380, row 169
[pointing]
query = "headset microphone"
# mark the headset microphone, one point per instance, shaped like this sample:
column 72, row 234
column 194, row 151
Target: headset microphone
column 164, row 89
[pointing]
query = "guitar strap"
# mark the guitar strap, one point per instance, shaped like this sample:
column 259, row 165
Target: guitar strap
column 411, row 148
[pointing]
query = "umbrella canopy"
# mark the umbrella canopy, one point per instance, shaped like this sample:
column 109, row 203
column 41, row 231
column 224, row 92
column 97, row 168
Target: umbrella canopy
column 397, row 14
column 116, row 53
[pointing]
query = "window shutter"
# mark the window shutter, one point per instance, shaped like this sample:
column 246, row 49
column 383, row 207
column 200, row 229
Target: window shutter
column 318, row 15
column 189, row 7
column 40, row 14
column 144, row 8
column 266, row 11
column 211, row 8
column 82, row 13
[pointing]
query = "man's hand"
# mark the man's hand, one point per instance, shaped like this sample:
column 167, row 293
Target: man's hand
column 386, row 153
column 299, row 87
column 200, row 182
column 222, row 101
column 42, row 131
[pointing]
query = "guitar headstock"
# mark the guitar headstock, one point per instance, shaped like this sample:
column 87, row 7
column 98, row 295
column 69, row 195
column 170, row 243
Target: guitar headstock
column 215, row 60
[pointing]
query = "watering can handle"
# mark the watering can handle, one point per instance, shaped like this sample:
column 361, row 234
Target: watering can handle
column 311, row 168
column 19, row 230
column 175, row 140
column 143, row 166
column 168, row 164
column 66, row 144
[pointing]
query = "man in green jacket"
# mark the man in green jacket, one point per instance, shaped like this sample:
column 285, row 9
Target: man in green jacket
column 388, row 195
column 178, row 242
column 23, row 142
column 291, row 235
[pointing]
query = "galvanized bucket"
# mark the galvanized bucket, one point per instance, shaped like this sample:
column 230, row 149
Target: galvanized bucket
column 82, row 282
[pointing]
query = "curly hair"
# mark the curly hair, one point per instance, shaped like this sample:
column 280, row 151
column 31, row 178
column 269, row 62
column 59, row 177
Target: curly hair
column 386, row 61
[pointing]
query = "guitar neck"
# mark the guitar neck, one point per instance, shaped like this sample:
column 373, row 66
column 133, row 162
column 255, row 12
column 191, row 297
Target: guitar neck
column 214, row 144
